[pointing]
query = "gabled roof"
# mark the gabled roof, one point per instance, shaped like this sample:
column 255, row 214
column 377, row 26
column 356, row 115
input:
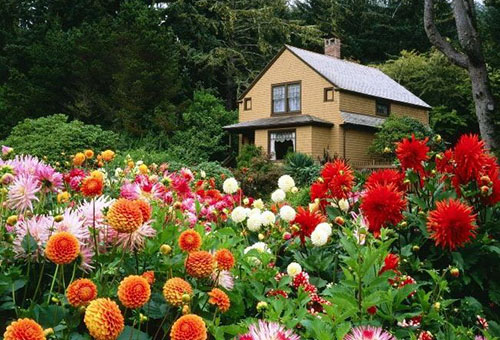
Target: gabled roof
column 283, row 121
column 350, row 76
column 361, row 120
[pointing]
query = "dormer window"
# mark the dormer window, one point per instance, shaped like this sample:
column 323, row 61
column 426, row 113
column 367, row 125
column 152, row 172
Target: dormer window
column 383, row 108
column 286, row 98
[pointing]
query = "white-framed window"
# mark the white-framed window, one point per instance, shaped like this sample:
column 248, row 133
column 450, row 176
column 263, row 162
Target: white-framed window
column 280, row 143
column 286, row 98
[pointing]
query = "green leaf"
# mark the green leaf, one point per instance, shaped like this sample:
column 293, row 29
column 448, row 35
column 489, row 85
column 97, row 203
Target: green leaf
column 134, row 334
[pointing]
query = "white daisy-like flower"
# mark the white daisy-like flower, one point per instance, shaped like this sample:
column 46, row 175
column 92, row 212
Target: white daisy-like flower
column 230, row 186
column 278, row 196
column 287, row 213
column 268, row 218
column 343, row 204
column 293, row 269
column 286, row 183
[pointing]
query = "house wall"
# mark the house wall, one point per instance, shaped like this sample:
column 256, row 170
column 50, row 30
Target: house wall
column 357, row 144
column 303, row 138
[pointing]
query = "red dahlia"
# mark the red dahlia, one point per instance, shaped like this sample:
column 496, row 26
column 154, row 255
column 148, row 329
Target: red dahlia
column 307, row 222
column 391, row 262
column 385, row 177
column 382, row 205
column 411, row 153
column 339, row 178
column 445, row 162
column 451, row 224
column 470, row 158
column 319, row 190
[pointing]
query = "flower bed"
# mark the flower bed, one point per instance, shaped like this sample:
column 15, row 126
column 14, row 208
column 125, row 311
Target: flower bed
column 141, row 252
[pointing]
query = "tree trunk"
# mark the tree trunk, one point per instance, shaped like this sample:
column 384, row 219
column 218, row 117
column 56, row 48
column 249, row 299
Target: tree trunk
column 484, row 103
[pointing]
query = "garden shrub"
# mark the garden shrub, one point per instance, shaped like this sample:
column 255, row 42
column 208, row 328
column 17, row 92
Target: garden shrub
column 55, row 138
column 247, row 153
column 145, row 155
column 302, row 168
column 394, row 129
column 214, row 170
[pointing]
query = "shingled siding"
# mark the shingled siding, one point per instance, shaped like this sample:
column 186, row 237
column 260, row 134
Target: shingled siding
column 421, row 115
column 357, row 144
column 321, row 141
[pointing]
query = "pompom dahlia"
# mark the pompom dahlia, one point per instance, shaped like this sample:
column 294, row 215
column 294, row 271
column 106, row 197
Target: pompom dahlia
column 224, row 259
column 24, row 329
column 62, row 248
column 145, row 209
column 189, row 327
column 124, row 216
column 369, row 333
column 134, row 291
column 411, row 153
column 149, row 276
column 451, row 224
column 104, row 319
column 268, row 330
column 80, row 292
column 91, row 186
column 382, row 205
column 220, row 299
column 189, row 240
column 173, row 290
column 200, row 264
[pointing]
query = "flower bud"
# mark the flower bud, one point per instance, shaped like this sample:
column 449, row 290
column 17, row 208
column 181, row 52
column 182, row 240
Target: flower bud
column 261, row 237
column 55, row 300
column 415, row 248
column 48, row 332
column 58, row 218
column 437, row 306
column 186, row 298
column 165, row 249
column 295, row 228
column 186, row 309
column 246, row 201
column 485, row 179
column 455, row 272
column 261, row 306
column 438, row 138
column 372, row 310
column 403, row 224
column 339, row 220
column 320, row 179
column 485, row 190
column 387, row 149
column 142, row 318
column 294, row 190
column 11, row 220
column 287, row 236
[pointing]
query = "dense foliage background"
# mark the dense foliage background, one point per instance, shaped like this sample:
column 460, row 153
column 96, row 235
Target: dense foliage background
column 134, row 66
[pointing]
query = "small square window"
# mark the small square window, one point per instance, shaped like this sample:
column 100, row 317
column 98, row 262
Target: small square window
column 247, row 104
column 383, row 108
column 328, row 95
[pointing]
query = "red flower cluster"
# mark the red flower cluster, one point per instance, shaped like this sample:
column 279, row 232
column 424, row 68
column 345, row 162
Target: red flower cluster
column 307, row 222
column 469, row 162
column 337, row 179
column 412, row 153
column 387, row 177
column 382, row 205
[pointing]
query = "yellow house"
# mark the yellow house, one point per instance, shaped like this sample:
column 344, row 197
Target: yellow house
column 318, row 103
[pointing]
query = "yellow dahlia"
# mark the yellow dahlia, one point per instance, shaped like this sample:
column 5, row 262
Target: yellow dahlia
column 104, row 319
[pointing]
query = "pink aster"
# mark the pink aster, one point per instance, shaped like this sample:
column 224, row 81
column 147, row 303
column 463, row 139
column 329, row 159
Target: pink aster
column 25, row 164
column 265, row 330
column 38, row 228
column 86, row 254
column 50, row 180
column 72, row 223
column 135, row 240
column 369, row 333
column 223, row 279
column 22, row 193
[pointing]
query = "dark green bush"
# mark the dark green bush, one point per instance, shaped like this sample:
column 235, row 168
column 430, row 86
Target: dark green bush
column 214, row 170
column 260, row 177
column 394, row 130
column 302, row 168
column 247, row 153
column 54, row 135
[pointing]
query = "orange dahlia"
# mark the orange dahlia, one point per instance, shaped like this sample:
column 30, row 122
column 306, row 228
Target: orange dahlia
column 91, row 186
column 80, row 292
column 145, row 209
column 24, row 329
column 189, row 327
column 78, row 159
column 104, row 319
column 219, row 299
column 174, row 289
column 451, row 224
column 62, row 248
column 189, row 240
column 107, row 155
column 134, row 291
column 88, row 153
column 224, row 259
column 125, row 216
column 149, row 276
column 200, row 264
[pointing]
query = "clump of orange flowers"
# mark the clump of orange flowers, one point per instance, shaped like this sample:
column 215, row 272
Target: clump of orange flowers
column 174, row 289
column 189, row 327
column 80, row 292
column 134, row 291
column 91, row 186
column 189, row 240
column 149, row 276
column 125, row 216
column 25, row 329
column 224, row 259
column 107, row 155
column 104, row 319
column 219, row 299
column 78, row 159
column 200, row 264
column 62, row 248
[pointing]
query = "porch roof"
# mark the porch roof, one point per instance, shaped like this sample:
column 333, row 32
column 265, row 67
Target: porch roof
column 278, row 122
column 361, row 119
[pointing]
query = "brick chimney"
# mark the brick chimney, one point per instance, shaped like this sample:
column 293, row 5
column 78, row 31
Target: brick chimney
column 332, row 47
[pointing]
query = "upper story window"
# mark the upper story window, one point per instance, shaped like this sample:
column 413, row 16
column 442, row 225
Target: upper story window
column 286, row 98
column 383, row 108
column 247, row 104
column 328, row 94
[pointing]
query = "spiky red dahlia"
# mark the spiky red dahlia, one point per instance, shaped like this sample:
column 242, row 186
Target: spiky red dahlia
column 319, row 190
column 339, row 178
column 307, row 222
column 391, row 262
column 470, row 158
column 445, row 162
column 451, row 224
column 385, row 177
column 382, row 205
column 411, row 153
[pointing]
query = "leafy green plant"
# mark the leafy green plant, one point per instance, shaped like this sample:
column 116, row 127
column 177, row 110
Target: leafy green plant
column 302, row 168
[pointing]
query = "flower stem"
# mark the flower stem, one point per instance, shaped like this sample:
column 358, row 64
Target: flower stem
column 52, row 284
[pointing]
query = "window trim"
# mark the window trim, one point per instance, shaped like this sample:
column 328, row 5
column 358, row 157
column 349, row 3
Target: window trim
column 245, row 106
column 383, row 102
column 269, row 141
column 325, row 94
column 287, row 110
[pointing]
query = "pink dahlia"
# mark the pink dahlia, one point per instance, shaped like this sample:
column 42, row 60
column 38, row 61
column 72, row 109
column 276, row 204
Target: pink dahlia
column 135, row 240
column 34, row 232
column 369, row 333
column 265, row 330
column 22, row 193
column 50, row 179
